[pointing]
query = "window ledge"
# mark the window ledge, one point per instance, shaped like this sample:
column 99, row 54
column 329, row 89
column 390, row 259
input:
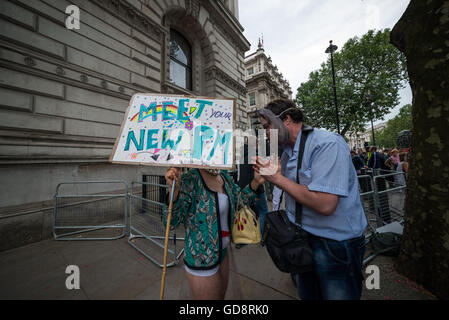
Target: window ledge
column 172, row 88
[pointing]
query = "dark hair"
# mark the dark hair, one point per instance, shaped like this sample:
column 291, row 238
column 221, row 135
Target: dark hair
column 280, row 106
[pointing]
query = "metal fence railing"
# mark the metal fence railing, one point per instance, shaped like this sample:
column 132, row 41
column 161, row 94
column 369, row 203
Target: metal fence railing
column 87, row 212
column 368, row 200
column 390, row 191
column 82, row 211
column 147, row 229
column 383, row 199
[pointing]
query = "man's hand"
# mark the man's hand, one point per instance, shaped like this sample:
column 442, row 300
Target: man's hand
column 269, row 170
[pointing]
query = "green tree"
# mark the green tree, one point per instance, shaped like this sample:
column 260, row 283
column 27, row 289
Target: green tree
column 369, row 74
column 387, row 137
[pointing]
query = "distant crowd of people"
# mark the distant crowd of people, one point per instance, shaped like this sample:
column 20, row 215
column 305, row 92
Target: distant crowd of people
column 384, row 160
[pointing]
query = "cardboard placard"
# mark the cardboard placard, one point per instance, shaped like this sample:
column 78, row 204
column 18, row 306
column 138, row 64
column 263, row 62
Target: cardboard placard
column 178, row 131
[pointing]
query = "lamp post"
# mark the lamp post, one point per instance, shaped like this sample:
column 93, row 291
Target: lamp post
column 331, row 49
column 370, row 99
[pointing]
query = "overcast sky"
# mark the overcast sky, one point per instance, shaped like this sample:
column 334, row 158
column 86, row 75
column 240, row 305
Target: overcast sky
column 297, row 32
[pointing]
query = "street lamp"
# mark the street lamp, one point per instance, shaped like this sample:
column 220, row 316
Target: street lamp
column 331, row 49
column 369, row 96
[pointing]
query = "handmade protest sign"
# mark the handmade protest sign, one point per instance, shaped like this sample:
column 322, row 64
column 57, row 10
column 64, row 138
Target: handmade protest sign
column 169, row 130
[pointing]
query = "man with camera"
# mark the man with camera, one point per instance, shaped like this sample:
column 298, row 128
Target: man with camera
column 327, row 195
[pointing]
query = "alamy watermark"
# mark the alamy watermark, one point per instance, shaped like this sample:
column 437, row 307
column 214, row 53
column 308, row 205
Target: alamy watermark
column 73, row 280
column 73, row 20
column 373, row 280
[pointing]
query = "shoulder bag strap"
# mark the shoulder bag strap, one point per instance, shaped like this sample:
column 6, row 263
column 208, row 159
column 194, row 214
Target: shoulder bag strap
column 284, row 160
column 305, row 133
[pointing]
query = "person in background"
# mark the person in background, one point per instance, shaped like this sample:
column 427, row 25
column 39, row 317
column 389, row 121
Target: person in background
column 401, row 179
column 394, row 156
column 243, row 176
column 384, row 167
column 374, row 159
column 362, row 155
column 377, row 164
column 359, row 166
column 357, row 162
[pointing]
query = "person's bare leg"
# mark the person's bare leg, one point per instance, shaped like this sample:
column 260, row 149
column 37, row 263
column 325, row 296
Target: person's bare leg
column 224, row 274
column 206, row 288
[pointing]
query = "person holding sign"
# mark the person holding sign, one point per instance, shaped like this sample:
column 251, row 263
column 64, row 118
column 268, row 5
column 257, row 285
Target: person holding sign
column 205, row 201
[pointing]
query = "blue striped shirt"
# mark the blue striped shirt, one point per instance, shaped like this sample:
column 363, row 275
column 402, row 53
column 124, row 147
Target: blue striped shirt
column 327, row 167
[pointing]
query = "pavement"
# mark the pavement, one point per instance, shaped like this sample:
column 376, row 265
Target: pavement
column 115, row 270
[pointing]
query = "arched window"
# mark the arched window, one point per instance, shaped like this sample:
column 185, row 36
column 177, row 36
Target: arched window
column 180, row 61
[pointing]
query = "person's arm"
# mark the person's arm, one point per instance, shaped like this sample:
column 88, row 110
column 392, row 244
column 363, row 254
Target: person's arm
column 249, row 193
column 405, row 167
column 321, row 202
column 389, row 163
column 330, row 165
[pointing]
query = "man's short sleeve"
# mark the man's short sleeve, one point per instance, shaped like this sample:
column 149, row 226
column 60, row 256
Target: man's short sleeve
column 329, row 166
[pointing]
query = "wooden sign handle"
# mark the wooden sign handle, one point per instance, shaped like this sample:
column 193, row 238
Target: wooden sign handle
column 167, row 233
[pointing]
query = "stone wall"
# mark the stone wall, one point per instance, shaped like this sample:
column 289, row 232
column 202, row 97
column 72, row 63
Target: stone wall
column 63, row 93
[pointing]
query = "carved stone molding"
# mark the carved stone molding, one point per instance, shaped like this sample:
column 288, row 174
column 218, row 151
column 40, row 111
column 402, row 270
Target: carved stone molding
column 30, row 61
column 60, row 71
column 84, row 78
column 133, row 16
column 65, row 72
column 215, row 73
column 193, row 8
column 223, row 24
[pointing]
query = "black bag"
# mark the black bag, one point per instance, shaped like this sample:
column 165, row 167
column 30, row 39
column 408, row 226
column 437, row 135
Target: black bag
column 386, row 243
column 288, row 244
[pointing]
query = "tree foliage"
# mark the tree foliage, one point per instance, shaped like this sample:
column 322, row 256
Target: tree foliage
column 369, row 74
column 387, row 137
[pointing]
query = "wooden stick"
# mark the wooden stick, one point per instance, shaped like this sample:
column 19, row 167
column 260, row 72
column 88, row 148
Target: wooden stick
column 167, row 233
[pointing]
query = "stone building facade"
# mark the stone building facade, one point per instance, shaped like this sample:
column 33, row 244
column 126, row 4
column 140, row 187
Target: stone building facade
column 264, row 83
column 358, row 140
column 63, row 93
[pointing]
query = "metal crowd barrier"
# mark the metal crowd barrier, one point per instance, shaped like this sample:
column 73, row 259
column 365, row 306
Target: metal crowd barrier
column 390, row 191
column 383, row 199
column 85, row 209
column 368, row 199
column 147, row 230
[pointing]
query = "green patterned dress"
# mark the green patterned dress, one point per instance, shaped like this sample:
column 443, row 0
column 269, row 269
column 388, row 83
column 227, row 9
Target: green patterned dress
column 197, row 208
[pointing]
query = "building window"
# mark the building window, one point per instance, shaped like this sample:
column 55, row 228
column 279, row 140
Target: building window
column 252, row 99
column 180, row 61
column 255, row 121
column 250, row 71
